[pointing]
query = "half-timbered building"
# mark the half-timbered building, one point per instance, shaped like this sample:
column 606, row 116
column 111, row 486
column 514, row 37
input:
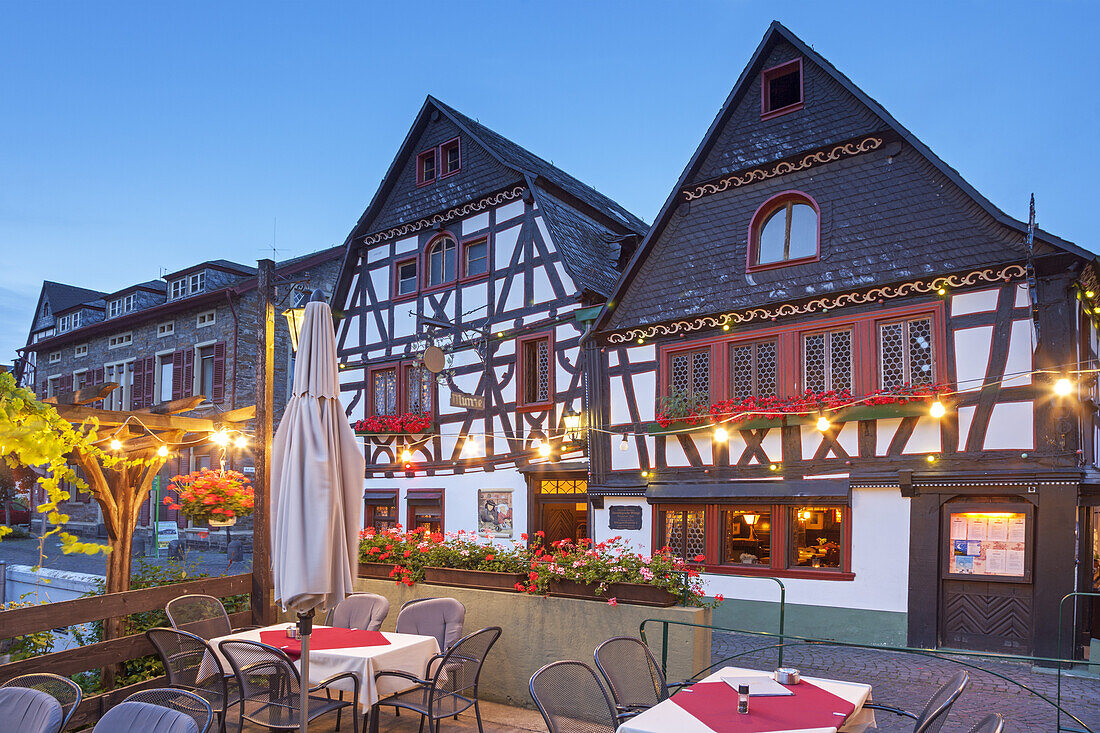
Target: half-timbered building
column 771, row 370
column 468, row 282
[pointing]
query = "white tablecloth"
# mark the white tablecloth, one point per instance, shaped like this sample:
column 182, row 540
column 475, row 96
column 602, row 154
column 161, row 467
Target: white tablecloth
column 405, row 653
column 669, row 716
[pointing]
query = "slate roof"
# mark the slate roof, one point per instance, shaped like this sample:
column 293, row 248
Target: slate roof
column 63, row 297
column 708, row 220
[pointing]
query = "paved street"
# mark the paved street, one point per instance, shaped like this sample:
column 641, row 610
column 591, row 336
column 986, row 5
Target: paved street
column 908, row 681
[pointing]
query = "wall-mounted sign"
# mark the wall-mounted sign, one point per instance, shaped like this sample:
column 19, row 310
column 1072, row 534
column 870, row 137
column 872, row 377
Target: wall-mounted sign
column 494, row 512
column 620, row 516
column 469, row 401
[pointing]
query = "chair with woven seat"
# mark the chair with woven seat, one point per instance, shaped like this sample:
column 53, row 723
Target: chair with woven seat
column 191, row 664
column 30, row 711
column 364, row 611
column 64, row 690
column 632, row 674
column 450, row 689
column 992, row 723
column 934, row 714
column 180, row 701
column 442, row 618
column 572, row 700
column 270, row 687
column 201, row 615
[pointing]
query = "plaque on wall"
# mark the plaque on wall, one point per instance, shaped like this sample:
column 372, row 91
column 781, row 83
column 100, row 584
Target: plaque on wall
column 621, row 516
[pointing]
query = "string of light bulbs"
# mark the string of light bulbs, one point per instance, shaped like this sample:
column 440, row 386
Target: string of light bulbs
column 222, row 438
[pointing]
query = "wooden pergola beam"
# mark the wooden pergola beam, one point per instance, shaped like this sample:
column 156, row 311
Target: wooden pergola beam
column 78, row 413
column 83, row 396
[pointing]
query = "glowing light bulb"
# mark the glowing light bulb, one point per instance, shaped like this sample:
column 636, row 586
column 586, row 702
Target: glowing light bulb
column 624, row 444
column 162, row 451
column 645, row 474
column 774, row 467
column 241, row 441
column 937, row 410
column 1090, row 294
column 406, row 456
column 544, row 450
column 1063, row 387
column 220, row 438
column 721, row 435
column 500, row 334
column 116, row 444
column 942, row 291
column 641, row 341
column 823, row 423
column 931, row 458
column 536, row 443
column 726, row 327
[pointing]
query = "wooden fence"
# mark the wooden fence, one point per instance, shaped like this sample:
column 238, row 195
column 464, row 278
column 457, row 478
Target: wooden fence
column 49, row 616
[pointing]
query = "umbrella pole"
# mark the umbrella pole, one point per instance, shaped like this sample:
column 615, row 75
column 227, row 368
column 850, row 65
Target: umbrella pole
column 305, row 628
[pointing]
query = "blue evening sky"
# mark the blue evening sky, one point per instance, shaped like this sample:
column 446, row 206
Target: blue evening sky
column 146, row 136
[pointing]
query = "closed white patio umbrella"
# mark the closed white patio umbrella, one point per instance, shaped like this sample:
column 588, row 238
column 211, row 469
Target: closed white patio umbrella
column 317, row 472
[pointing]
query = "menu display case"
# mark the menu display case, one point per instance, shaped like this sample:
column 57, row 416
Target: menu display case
column 988, row 541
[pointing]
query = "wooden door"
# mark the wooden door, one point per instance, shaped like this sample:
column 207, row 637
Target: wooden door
column 985, row 616
column 562, row 520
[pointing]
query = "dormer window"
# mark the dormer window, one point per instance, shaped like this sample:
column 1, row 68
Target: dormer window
column 196, row 283
column 68, row 322
column 450, row 156
column 784, row 231
column 781, row 89
column 425, row 167
column 118, row 306
column 177, row 288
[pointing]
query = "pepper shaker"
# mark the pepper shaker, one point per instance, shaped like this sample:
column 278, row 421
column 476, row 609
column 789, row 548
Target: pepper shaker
column 742, row 698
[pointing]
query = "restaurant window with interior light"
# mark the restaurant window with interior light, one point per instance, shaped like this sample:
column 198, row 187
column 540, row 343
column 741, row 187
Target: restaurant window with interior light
column 425, row 509
column 380, row 509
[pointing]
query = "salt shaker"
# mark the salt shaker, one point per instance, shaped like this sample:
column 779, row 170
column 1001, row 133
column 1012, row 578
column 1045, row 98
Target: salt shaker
column 742, row 698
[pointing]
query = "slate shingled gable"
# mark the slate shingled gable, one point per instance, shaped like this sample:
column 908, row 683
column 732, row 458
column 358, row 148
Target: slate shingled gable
column 663, row 292
column 588, row 227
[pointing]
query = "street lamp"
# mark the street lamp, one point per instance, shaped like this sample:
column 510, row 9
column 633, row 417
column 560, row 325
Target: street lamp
column 296, row 316
column 572, row 422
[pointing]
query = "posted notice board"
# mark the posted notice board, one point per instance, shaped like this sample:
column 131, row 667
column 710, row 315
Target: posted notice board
column 986, row 543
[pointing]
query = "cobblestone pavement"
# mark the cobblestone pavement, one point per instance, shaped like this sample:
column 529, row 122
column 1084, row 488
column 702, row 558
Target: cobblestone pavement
column 908, row 681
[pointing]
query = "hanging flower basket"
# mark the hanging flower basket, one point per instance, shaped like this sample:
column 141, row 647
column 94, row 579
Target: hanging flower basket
column 406, row 423
column 217, row 497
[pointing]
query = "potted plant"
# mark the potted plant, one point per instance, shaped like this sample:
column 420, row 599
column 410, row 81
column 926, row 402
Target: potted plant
column 217, row 497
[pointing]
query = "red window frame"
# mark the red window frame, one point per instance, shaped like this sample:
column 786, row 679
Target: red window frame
column 400, row 369
column 766, row 112
column 521, row 379
column 463, row 275
column 780, row 565
column 666, row 364
column 425, row 262
column 414, row 497
column 866, row 377
column 371, row 371
column 938, row 333
column 455, row 144
column 396, row 293
column 421, row 178
column 403, row 389
column 763, row 212
column 369, row 506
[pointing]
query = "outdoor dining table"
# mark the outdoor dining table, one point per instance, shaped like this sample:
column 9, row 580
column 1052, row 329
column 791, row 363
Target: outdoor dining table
column 335, row 651
column 710, row 706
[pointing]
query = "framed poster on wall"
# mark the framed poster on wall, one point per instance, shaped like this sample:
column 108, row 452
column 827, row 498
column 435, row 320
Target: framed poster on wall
column 494, row 512
column 988, row 541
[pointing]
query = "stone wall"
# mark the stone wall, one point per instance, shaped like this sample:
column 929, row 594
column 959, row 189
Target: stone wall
column 538, row 630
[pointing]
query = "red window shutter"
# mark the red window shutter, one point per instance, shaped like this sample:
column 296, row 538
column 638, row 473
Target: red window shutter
column 66, row 384
column 177, row 374
column 137, row 387
column 148, row 366
column 98, row 375
column 219, row 373
column 188, row 372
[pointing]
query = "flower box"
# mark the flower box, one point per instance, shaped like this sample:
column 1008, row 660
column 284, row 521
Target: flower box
column 379, row 570
column 917, row 408
column 483, row 579
column 637, row 594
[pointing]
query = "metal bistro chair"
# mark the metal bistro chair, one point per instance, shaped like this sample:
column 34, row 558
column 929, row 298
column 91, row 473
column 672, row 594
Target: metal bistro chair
column 271, row 686
column 992, row 723
column 451, row 690
column 364, row 611
column 201, row 615
column 934, row 715
column 442, row 618
column 161, row 710
column 572, row 700
column 64, row 690
column 30, row 711
column 191, row 664
column 632, row 674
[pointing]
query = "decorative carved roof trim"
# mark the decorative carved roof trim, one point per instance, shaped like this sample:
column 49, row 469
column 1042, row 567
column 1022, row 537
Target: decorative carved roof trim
column 450, row 214
column 820, row 305
column 763, row 173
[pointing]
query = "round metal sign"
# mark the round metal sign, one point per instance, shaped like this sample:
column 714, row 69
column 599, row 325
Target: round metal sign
column 434, row 359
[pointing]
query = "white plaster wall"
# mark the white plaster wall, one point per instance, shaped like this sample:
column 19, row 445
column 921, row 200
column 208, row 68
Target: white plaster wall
column 880, row 562
column 966, row 419
column 475, row 223
column 509, row 211
column 972, row 356
column 1023, row 296
column 378, row 252
column 380, row 281
column 925, row 438
column 409, row 244
column 1011, row 426
column 979, row 301
column 1021, row 347
column 639, row 539
column 504, row 246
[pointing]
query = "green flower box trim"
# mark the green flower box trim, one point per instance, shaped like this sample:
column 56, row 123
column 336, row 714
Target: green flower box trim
column 851, row 414
column 413, row 436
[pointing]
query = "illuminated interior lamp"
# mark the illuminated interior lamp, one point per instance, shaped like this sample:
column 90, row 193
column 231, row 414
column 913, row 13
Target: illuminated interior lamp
column 721, row 435
column 804, row 516
column 1063, row 387
column 839, row 516
column 162, row 451
column 406, row 456
column 544, row 450
column 937, row 410
column 823, row 423
column 750, row 518
column 241, row 441
column 220, row 438
column 774, row 467
column 624, row 444
column 116, row 444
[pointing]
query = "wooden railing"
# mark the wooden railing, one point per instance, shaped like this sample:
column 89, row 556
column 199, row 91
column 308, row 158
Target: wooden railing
column 49, row 616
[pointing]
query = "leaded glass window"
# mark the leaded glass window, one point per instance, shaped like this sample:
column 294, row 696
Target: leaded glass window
column 689, row 375
column 753, row 370
column 906, row 353
column 384, row 392
column 684, row 534
column 827, row 361
column 536, row 364
column 418, row 389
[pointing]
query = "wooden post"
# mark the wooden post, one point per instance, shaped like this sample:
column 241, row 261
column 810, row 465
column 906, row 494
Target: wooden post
column 262, row 584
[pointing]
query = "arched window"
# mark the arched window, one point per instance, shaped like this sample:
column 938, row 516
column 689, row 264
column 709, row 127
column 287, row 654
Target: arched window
column 442, row 260
column 784, row 230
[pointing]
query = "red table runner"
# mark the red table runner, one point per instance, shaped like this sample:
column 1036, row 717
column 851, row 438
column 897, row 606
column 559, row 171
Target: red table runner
column 323, row 638
column 715, row 705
